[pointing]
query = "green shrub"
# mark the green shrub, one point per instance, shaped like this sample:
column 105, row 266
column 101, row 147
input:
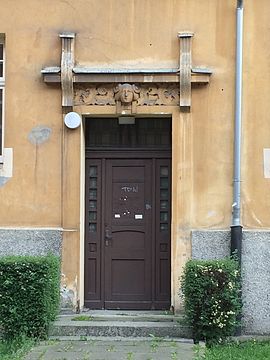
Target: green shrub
column 211, row 291
column 29, row 295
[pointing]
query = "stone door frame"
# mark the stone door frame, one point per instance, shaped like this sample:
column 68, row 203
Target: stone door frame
column 128, row 92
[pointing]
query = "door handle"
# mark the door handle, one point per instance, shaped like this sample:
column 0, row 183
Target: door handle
column 108, row 237
column 107, row 234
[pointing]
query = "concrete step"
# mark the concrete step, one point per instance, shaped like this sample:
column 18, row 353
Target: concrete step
column 123, row 329
column 124, row 316
column 120, row 324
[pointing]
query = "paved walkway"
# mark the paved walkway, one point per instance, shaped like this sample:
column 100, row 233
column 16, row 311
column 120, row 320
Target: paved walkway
column 113, row 349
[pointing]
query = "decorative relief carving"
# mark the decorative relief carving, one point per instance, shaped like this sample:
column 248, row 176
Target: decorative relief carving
column 128, row 96
column 159, row 95
column 126, row 93
column 94, row 95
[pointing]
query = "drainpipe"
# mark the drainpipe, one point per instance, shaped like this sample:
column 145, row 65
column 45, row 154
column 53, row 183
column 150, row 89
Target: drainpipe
column 236, row 227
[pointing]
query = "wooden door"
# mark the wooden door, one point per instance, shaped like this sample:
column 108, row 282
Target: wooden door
column 128, row 237
column 128, row 213
column 127, row 249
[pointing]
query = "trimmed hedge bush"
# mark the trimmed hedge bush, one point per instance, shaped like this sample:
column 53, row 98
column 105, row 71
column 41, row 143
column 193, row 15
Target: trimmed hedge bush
column 211, row 291
column 29, row 295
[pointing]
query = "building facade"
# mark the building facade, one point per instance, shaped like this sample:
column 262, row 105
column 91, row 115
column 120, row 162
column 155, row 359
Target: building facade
column 117, row 132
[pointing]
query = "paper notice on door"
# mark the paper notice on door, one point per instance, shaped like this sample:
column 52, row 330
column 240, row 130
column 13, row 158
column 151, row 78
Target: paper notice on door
column 138, row 216
column 117, row 216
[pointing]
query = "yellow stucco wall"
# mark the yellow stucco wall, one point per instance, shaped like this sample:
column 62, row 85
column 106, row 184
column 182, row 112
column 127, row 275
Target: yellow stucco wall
column 45, row 188
column 256, row 107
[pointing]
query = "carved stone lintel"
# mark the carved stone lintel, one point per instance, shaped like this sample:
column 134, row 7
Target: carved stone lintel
column 185, row 69
column 141, row 95
column 67, row 64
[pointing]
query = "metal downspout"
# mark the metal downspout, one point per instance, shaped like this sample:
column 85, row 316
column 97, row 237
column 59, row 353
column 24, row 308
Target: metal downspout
column 236, row 227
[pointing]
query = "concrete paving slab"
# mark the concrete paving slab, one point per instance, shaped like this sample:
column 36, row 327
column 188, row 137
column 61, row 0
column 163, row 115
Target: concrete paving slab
column 121, row 349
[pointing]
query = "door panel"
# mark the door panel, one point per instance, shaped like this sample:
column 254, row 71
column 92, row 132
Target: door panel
column 163, row 231
column 93, row 231
column 128, row 225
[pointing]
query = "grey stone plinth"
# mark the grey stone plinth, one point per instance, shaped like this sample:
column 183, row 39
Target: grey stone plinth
column 256, row 282
column 255, row 272
column 210, row 244
column 30, row 242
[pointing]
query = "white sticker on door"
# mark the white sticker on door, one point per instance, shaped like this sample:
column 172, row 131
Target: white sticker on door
column 138, row 216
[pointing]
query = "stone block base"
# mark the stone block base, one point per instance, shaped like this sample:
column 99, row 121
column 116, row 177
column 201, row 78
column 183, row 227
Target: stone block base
column 255, row 271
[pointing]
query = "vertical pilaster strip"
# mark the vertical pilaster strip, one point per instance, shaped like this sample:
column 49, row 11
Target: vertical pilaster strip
column 67, row 64
column 185, row 69
column 70, row 192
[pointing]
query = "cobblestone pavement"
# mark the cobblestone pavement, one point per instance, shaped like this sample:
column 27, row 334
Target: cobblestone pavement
column 113, row 349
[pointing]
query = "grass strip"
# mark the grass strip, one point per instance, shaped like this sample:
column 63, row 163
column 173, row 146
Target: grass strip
column 249, row 350
column 15, row 349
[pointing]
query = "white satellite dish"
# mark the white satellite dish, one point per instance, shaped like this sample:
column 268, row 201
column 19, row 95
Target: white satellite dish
column 72, row 120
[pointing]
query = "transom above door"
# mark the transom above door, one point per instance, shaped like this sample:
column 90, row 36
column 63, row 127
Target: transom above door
column 128, row 196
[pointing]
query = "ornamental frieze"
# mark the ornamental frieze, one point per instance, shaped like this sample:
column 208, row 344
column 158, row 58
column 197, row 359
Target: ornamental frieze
column 127, row 96
column 94, row 95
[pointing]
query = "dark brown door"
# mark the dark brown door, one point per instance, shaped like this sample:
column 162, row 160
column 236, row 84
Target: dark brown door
column 127, row 252
column 128, row 237
column 128, row 214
